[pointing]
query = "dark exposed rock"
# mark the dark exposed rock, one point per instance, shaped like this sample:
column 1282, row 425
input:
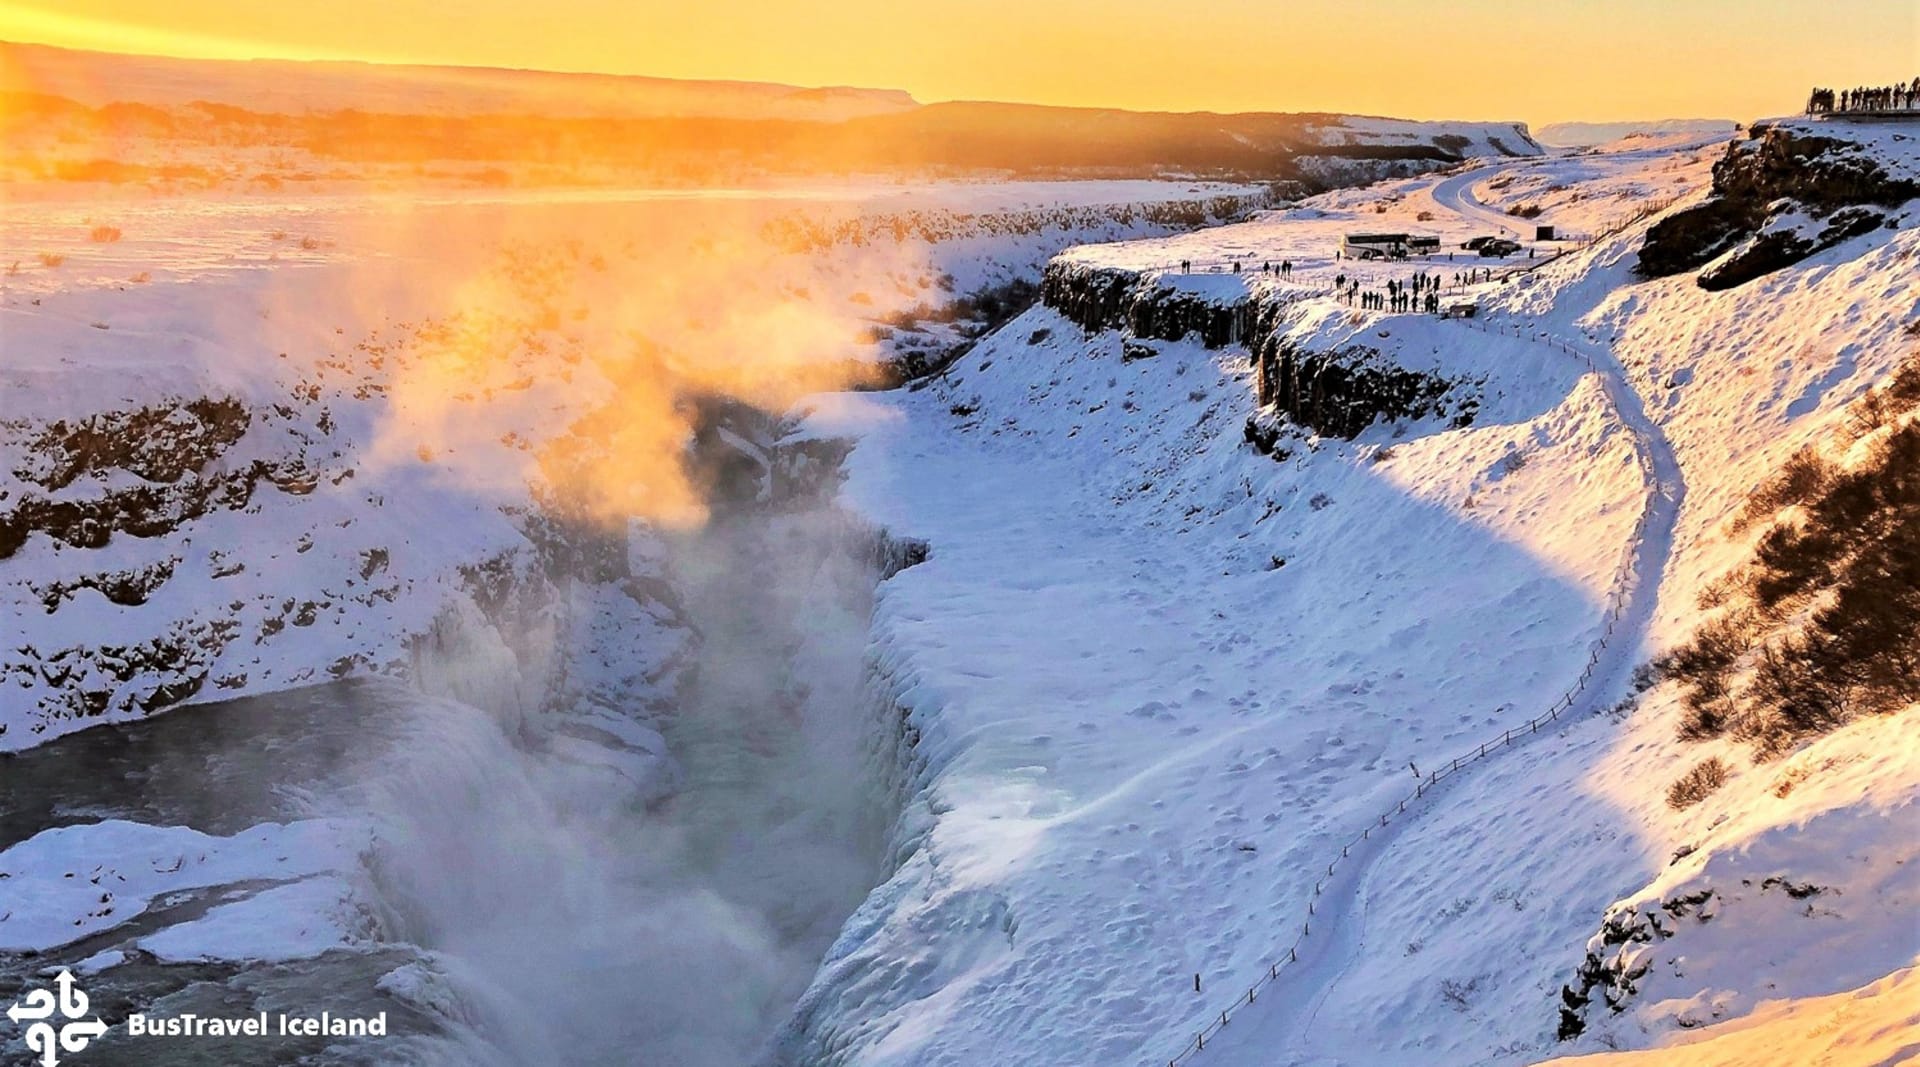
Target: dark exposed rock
column 1611, row 971
column 1265, row 430
column 1774, row 249
column 1341, row 392
column 1689, row 239
column 128, row 588
column 1109, row 298
column 146, row 510
column 85, row 681
column 1796, row 890
column 1775, row 174
column 159, row 443
column 899, row 553
column 1337, row 393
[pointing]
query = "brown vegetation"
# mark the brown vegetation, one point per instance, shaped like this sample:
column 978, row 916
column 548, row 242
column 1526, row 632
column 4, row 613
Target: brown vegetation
column 1819, row 625
column 1697, row 784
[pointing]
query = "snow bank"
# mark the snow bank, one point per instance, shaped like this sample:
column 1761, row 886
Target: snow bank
column 72, row 882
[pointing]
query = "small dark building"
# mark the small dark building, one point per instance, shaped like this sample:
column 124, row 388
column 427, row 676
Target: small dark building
column 1543, row 233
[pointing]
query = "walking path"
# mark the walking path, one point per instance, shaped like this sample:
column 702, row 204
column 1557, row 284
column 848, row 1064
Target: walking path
column 1328, row 942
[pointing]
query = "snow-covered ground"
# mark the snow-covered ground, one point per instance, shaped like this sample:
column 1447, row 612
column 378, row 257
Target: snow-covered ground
column 1161, row 680
column 71, row 882
column 1179, row 717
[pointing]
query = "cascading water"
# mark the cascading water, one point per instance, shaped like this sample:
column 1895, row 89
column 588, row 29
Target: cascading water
column 576, row 925
column 533, row 896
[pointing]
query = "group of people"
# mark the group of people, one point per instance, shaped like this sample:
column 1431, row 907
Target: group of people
column 1420, row 292
column 1284, row 268
column 1866, row 98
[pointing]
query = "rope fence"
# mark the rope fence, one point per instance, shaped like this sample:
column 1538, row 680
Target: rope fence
column 1621, row 587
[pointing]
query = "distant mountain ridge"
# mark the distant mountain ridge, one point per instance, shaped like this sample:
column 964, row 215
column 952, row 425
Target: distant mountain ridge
column 86, row 116
column 300, row 86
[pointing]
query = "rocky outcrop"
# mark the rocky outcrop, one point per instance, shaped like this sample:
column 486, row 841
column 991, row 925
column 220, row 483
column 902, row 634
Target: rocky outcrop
column 1778, row 197
column 1617, row 958
column 85, row 681
column 808, row 232
column 1110, row 298
column 141, row 472
column 157, row 443
column 145, row 509
column 1630, row 948
column 1336, row 393
column 128, row 588
column 1340, row 392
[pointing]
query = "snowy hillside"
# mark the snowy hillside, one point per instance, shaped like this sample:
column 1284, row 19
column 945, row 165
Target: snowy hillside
column 1464, row 140
column 1589, row 134
column 1321, row 733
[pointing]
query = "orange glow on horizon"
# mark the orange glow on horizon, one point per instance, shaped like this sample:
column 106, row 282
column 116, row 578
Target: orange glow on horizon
column 1474, row 59
column 33, row 25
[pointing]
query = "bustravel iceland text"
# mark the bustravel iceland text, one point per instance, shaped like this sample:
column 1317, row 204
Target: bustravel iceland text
column 323, row 1025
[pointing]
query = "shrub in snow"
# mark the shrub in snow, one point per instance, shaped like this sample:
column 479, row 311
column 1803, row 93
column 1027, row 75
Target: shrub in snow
column 1697, row 784
column 1799, row 479
column 1819, row 625
column 1459, row 995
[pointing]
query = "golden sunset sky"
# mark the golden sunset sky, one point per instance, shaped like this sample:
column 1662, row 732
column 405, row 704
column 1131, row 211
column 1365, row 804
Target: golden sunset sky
column 1533, row 60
